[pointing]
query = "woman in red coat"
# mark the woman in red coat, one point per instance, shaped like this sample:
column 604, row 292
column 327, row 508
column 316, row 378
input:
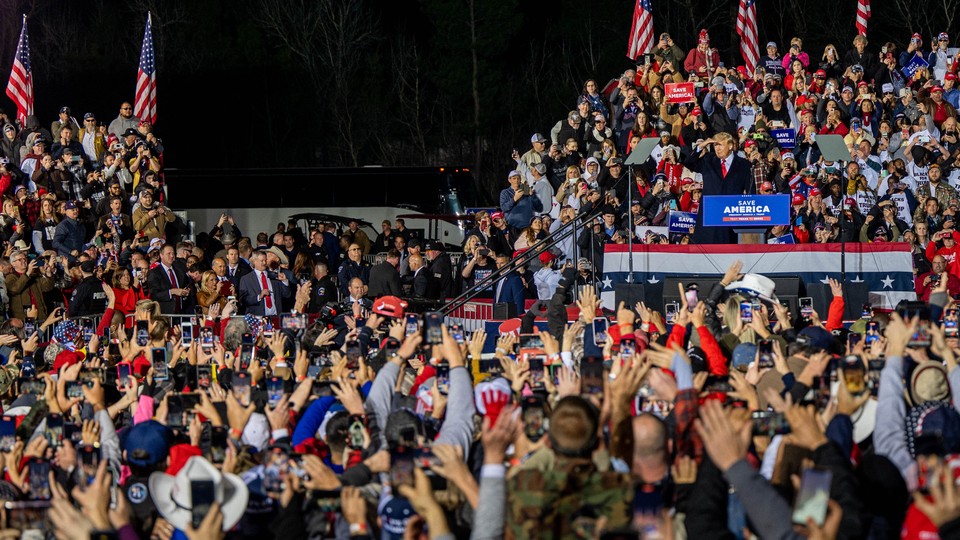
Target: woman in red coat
column 127, row 295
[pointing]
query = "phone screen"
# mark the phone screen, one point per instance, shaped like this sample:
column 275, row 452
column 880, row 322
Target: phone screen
column 854, row 375
column 54, row 429
column 628, row 347
column 204, row 376
column 433, row 326
column 443, row 378
column 274, row 391
column 769, row 423
column 412, row 325
column 401, row 467
column 186, row 333
column 218, row 444
column 159, row 358
column 873, row 332
column 39, row 479
column 600, row 327
column 746, row 312
column 143, row 334
column 8, row 429
column 670, row 312
column 241, row 388
column 765, row 353
column 123, row 376
column 534, row 418
column 806, row 307
column 202, row 493
column 591, row 373
column 814, row 494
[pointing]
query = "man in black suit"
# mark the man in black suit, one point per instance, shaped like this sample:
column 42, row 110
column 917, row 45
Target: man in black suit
column 260, row 293
column 236, row 267
column 169, row 284
column 424, row 285
column 442, row 269
column 724, row 173
column 385, row 278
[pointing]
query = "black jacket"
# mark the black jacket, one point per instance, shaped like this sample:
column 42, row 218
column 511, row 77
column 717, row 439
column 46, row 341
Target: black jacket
column 88, row 298
column 384, row 280
column 442, row 270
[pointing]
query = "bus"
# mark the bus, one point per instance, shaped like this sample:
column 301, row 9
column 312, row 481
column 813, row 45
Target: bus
column 259, row 199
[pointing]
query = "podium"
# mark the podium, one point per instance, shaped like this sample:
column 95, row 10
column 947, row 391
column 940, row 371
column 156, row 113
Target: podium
column 750, row 236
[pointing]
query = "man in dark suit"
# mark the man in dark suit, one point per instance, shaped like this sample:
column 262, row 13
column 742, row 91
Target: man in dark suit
column 442, row 268
column 724, row 173
column 261, row 294
column 169, row 284
column 236, row 267
column 385, row 278
column 424, row 285
column 510, row 289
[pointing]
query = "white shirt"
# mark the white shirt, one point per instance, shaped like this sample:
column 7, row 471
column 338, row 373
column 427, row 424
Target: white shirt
column 88, row 147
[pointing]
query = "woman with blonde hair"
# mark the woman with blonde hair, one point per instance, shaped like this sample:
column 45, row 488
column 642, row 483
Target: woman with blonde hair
column 209, row 292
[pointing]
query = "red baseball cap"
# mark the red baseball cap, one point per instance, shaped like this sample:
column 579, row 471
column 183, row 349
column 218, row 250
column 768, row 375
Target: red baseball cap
column 696, row 111
column 496, row 215
column 820, row 73
column 389, row 306
column 547, row 257
column 861, row 83
column 799, row 199
column 950, row 77
column 750, row 142
column 815, row 192
column 936, row 89
column 766, row 185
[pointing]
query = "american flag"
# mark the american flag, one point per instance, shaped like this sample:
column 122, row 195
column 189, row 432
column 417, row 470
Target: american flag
column 863, row 13
column 20, row 86
column 145, row 106
column 747, row 29
column 641, row 33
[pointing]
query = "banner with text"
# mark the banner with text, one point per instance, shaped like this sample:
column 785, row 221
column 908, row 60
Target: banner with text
column 680, row 92
column 786, row 138
column 681, row 222
column 746, row 210
column 913, row 66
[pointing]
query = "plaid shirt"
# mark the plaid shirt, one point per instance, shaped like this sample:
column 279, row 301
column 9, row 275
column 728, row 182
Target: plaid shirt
column 759, row 169
column 685, row 411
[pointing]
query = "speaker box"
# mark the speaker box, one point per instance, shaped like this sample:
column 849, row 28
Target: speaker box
column 504, row 310
column 855, row 295
column 787, row 289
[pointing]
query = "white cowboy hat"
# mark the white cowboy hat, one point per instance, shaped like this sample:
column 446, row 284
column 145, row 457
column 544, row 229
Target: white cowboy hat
column 755, row 285
column 171, row 494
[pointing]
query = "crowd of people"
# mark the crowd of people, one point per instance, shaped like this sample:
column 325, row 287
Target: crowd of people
column 157, row 386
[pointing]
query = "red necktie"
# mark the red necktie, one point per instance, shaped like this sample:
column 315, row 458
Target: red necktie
column 723, row 168
column 263, row 283
column 173, row 283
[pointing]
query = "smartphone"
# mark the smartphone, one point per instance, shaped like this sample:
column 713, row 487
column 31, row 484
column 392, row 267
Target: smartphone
column 143, row 333
column 355, row 432
column 123, row 376
column 670, row 310
column 39, row 478
column 718, row 384
column 534, row 418
column 950, row 324
column 433, row 327
column 536, row 372
column 73, row 432
column 490, row 366
column 746, row 312
column 204, row 376
column 322, row 389
column 241, row 387
column 866, row 311
column 591, row 375
column 412, row 325
column 268, row 328
column 202, row 497
column 26, row 515
column 8, row 433
column 600, row 327
column 206, row 338
column 186, row 333
column 765, row 353
column 853, row 339
column 89, row 457
column 158, row 356
column 29, row 327
column 693, row 298
column 456, row 331
column 175, row 411
column 218, row 444
column 769, row 423
column 246, row 352
column 854, row 375
column 443, row 377
column 806, row 307
column 113, row 349
column 189, row 401
column 628, row 347
column 88, row 329
column 74, row 389
column 813, row 496
column 401, row 467
column 873, row 332
column 274, row 391
column 53, row 430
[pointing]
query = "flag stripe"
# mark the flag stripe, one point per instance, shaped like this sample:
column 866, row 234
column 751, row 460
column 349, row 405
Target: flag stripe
column 20, row 85
column 863, row 13
column 145, row 103
column 747, row 30
column 641, row 33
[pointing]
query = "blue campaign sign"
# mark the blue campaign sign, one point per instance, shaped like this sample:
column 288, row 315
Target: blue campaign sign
column 785, row 239
column 746, row 210
column 911, row 68
column 786, row 138
column 681, row 222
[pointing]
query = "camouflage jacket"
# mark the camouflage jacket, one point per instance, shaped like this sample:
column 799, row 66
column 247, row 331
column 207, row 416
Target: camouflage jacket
column 565, row 502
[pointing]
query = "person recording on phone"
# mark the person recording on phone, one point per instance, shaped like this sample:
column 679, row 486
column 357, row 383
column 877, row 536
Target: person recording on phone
column 518, row 202
column 928, row 282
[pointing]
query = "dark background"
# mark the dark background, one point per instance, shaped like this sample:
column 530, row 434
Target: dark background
column 280, row 83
